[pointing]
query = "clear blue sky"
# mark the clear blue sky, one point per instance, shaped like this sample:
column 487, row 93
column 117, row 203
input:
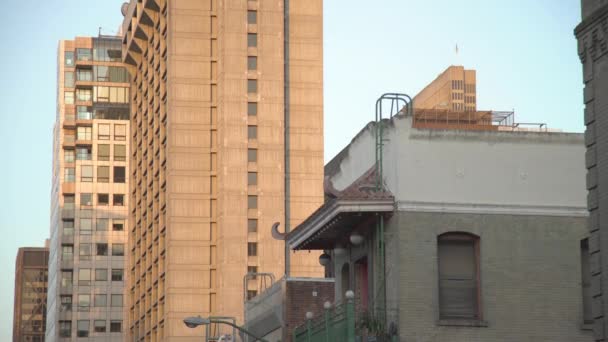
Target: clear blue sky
column 524, row 53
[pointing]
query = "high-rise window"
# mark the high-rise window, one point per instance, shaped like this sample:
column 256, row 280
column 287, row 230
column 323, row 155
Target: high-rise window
column 252, row 132
column 69, row 175
column 85, row 250
column 68, row 58
column 116, row 326
column 101, row 274
column 252, row 269
column 103, row 131
column 83, row 153
column 119, row 174
column 68, row 97
column 84, row 133
column 102, row 249
column 103, row 199
column 104, row 73
column 101, row 224
column 252, row 155
column 118, row 225
column 252, row 40
column 252, row 86
column 116, row 300
column 252, row 63
column 252, row 248
column 68, row 202
column 82, row 328
column 68, row 227
column 252, row 17
column 251, row 293
column 67, row 252
column 120, row 152
column 117, row 274
column 100, row 325
column 83, row 54
column 103, row 174
column 85, row 75
column 118, row 249
column 118, row 199
column 65, row 328
column 252, row 108
column 252, row 202
column 86, row 173
column 103, row 152
column 67, row 276
column 120, row 132
column 66, row 303
column 84, row 95
column 68, row 79
column 252, row 225
column 84, row 278
column 86, row 199
column 252, row 178
column 68, row 156
column 86, row 225
column 100, row 300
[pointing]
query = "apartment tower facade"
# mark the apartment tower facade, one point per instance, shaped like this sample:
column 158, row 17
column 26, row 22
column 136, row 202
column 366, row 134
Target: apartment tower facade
column 31, row 280
column 227, row 138
column 454, row 90
column 89, row 196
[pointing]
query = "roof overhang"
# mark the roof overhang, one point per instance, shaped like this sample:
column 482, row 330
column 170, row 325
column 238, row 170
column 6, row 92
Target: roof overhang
column 335, row 220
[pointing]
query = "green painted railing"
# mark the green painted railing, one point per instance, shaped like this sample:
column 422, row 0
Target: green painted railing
column 337, row 324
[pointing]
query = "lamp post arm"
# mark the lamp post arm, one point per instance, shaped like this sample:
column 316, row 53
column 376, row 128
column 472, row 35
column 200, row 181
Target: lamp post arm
column 243, row 330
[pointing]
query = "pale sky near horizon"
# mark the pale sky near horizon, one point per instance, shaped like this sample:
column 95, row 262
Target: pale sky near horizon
column 524, row 53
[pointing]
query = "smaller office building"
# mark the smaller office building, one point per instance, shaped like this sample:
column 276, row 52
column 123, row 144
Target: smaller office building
column 463, row 235
column 31, row 282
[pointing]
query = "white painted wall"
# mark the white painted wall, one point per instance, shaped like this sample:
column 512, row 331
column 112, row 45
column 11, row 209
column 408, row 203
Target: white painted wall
column 473, row 167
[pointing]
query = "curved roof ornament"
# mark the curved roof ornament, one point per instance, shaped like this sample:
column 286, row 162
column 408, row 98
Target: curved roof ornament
column 275, row 232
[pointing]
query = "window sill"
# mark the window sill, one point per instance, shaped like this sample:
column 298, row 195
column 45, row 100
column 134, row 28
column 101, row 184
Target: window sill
column 474, row 323
column 587, row 326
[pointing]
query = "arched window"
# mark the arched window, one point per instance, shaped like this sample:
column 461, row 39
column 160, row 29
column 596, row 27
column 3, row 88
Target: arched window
column 458, row 257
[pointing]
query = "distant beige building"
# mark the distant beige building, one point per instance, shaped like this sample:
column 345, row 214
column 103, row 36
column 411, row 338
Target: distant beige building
column 90, row 193
column 454, row 89
column 213, row 165
column 31, row 280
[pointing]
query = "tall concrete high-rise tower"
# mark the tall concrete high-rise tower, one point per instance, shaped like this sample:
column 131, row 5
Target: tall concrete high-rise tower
column 90, row 192
column 31, row 280
column 454, row 89
column 227, row 138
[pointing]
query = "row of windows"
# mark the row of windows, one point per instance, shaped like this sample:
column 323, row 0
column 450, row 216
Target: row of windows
column 101, row 224
column 97, row 94
column 84, row 278
column 103, row 130
column 99, row 326
column 86, row 199
column 86, row 225
column 103, row 174
column 99, row 73
column 85, row 251
column 469, row 99
column 103, row 153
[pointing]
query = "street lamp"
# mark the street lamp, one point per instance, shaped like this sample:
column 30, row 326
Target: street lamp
column 193, row 322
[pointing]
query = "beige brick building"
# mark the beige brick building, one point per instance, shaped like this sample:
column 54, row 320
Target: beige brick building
column 454, row 89
column 89, row 196
column 214, row 86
